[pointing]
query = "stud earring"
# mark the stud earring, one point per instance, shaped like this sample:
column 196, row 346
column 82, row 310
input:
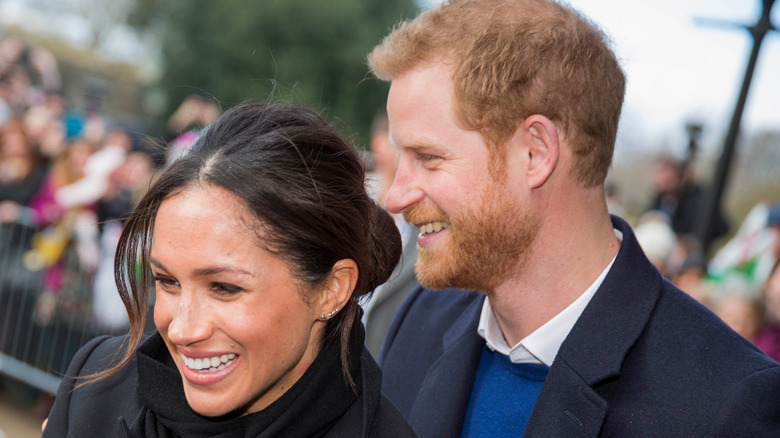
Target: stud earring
column 329, row 315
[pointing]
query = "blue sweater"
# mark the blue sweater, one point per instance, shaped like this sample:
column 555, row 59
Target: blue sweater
column 502, row 397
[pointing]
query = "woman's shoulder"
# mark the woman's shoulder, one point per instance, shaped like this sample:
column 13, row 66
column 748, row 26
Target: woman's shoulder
column 83, row 408
column 98, row 353
column 372, row 417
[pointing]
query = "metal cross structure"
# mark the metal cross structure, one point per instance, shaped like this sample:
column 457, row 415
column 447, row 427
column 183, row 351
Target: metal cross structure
column 706, row 224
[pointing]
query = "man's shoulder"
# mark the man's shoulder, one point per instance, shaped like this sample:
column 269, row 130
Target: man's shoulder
column 706, row 370
column 433, row 311
column 697, row 335
column 433, row 327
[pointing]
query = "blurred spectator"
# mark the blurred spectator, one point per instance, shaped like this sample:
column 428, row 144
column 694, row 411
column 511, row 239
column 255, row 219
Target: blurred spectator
column 680, row 198
column 62, row 223
column 657, row 239
column 18, row 90
column 124, row 187
column 193, row 114
column 124, row 178
column 690, row 278
column 742, row 311
column 768, row 339
column 380, row 307
column 384, row 155
column 21, row 172
column 773, row 224
column 94, row 184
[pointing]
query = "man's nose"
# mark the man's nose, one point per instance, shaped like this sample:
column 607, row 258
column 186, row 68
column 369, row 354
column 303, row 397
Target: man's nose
column 405, row 190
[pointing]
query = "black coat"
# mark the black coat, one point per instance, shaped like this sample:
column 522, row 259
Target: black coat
column 643, row 360
column 123, row 406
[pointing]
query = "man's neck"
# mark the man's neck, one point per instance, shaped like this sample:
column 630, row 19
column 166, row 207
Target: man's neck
column 556, row 273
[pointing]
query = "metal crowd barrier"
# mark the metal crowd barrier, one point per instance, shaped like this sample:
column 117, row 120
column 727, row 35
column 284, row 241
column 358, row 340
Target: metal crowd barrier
column 36, row 341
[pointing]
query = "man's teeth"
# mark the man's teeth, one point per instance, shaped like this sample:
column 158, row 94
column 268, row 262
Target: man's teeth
column 432, row 227
column 215, row 363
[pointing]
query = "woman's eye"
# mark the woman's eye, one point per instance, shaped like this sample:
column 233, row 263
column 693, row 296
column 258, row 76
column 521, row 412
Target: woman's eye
column 225, row 288
column 165, row 283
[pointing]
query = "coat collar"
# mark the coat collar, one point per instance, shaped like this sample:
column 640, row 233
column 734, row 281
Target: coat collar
column 618, row 313
column 568, row 404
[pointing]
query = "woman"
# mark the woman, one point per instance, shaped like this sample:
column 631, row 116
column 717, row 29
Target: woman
column 260, row 243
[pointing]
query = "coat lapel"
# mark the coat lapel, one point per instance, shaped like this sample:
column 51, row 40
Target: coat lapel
column 569, row 404
column 446, row 389
column 566, row 407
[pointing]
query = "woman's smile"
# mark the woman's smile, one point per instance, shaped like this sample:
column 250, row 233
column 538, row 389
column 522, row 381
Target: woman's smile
column 208, row 370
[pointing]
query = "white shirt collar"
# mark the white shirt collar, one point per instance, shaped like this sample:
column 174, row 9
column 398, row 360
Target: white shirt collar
column 543, row 344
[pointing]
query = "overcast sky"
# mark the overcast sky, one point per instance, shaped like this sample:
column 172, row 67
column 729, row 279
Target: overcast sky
column 680, row 71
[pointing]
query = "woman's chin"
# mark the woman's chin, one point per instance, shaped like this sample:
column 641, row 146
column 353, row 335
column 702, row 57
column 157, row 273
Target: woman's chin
column 207, row 409
column 208, row 405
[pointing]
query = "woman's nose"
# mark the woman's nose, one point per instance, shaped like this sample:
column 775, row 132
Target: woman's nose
column 190, row 321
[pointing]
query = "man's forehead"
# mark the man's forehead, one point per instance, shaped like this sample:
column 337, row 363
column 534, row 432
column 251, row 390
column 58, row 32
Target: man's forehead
column 420, row 101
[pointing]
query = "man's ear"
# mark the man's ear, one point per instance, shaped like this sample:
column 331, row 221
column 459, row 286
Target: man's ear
column 338, row 289
column 540, row 138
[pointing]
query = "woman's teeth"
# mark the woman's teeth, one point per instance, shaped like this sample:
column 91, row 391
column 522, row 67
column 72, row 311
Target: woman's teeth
column 209, row 364
column 432, row 227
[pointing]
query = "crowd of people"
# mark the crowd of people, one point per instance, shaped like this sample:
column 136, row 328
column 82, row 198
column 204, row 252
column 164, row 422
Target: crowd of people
column 68, row 176
column 740, row 282
column 70, row 173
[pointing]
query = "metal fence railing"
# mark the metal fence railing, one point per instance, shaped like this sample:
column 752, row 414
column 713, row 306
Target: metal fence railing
column 40, row 330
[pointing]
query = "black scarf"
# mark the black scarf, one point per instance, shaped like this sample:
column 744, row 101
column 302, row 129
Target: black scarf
column 308, row 409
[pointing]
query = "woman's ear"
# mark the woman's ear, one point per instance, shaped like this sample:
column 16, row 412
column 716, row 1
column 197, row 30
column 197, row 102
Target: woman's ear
column 339, row 288
column 540, row 137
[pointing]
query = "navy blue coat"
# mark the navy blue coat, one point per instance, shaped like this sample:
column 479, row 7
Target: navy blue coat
column 643, row 360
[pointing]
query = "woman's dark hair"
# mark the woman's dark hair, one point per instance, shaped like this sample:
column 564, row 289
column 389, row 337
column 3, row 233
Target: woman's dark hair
column 303, row 183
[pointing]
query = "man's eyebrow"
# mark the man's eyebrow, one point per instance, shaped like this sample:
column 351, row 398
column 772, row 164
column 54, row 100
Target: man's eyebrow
column 417, row 144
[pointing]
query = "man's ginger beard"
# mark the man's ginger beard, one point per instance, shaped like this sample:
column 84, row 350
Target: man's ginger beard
column 485, row 244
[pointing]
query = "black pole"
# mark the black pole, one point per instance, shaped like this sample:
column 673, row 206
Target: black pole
column 712, row 206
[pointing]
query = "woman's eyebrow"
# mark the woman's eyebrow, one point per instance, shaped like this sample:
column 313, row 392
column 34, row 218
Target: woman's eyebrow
column 207, row 271
column 219, row 269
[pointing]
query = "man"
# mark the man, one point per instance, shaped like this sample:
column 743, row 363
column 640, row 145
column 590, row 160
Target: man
column 505, row 115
